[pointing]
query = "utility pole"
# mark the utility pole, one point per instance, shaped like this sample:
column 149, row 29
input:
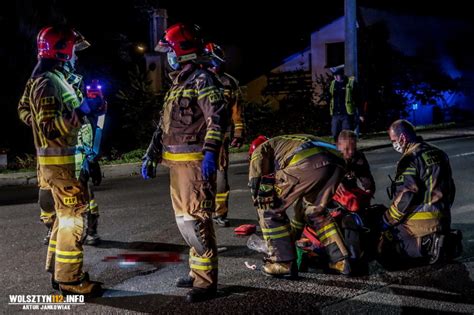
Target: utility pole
column 350, row 47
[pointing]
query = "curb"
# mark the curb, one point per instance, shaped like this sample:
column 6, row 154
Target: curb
column 387, row 145
column 133, row 169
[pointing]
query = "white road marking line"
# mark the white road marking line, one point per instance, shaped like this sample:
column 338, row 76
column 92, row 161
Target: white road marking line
column 462, row 154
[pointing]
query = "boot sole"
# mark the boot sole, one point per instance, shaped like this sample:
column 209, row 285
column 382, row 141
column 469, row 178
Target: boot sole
column 222, row 224
column 288, row 276
column 92, row 243
column 98, row 292
column 200, row 299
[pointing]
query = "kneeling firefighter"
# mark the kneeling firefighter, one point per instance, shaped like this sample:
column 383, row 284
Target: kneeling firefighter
column 417, row 226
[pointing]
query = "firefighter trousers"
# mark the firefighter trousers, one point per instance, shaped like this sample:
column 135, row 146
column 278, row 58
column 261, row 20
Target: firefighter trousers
column 48, row 214
column 313, row 187
column 222, row 187
column 193, row 203
column 65, row 253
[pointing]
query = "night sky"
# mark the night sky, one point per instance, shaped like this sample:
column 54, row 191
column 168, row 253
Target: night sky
column 256, row 34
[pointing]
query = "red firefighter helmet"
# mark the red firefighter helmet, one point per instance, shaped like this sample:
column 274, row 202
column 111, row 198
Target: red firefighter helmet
column 256, row 143
column 183, row 39
column 59, row 42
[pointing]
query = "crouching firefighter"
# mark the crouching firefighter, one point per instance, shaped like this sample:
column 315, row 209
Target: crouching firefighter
column 188, row 140
column 56, row 117
column 301, row 169
column 417, row 224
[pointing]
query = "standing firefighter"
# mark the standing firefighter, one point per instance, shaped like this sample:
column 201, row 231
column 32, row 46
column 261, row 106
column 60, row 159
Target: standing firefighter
column 56, row 117
column 188, row 141
column 235, row 129
column 301, row 169
column 86, row 165
column 418, row 223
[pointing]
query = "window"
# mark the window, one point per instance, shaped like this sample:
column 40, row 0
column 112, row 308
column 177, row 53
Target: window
column 334, row 54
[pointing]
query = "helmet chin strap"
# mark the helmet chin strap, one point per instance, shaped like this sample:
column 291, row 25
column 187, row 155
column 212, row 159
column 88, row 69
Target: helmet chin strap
column 69, row 66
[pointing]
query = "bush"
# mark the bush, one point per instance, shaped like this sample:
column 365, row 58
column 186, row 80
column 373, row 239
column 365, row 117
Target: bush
column 140, row 108
column 294, row 116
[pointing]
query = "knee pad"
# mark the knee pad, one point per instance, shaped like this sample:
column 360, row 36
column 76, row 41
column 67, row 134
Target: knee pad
column 46, row 200
column 190, row 230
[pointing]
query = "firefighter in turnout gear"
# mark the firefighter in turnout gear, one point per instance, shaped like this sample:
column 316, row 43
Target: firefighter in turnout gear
column 56, row 115
column 188, row 141
column 83, row 151
column 234, row 135
column 301, row 169
column 417, row 224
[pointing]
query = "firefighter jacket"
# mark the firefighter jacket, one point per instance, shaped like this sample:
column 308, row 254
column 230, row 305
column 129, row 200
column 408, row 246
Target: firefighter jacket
column 290, row 150
column 423, row 191
column 47, row 105
column 193, row 118
column 358, row 174
column 233, row 97
column 350, row 96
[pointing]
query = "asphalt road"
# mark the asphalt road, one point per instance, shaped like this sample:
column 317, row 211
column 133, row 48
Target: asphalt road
column 136, row 215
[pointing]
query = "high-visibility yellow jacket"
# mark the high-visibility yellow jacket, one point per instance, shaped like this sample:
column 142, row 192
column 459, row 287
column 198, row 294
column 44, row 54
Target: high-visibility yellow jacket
column 349, row 99
column 47, row 105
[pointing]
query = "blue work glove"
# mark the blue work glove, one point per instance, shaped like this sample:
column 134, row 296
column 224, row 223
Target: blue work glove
column 148, row 168
column 84, row 108
column 384, row 226
column 209, row 165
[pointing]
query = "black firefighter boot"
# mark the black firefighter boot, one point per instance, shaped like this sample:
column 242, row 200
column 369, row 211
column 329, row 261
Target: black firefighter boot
column 185, row 282
column 201, row 294
column 92, row 238
column 83, row 286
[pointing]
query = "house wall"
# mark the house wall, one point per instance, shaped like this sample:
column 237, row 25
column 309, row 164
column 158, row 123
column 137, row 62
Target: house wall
column 254, row 88
column 406, row 34
column 331, row 33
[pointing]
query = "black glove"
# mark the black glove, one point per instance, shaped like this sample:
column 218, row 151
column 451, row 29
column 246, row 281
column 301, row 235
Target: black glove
column 266, row 195
column 95, row 172
column 253, row 184
column 392, row 189
column 84, row 175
